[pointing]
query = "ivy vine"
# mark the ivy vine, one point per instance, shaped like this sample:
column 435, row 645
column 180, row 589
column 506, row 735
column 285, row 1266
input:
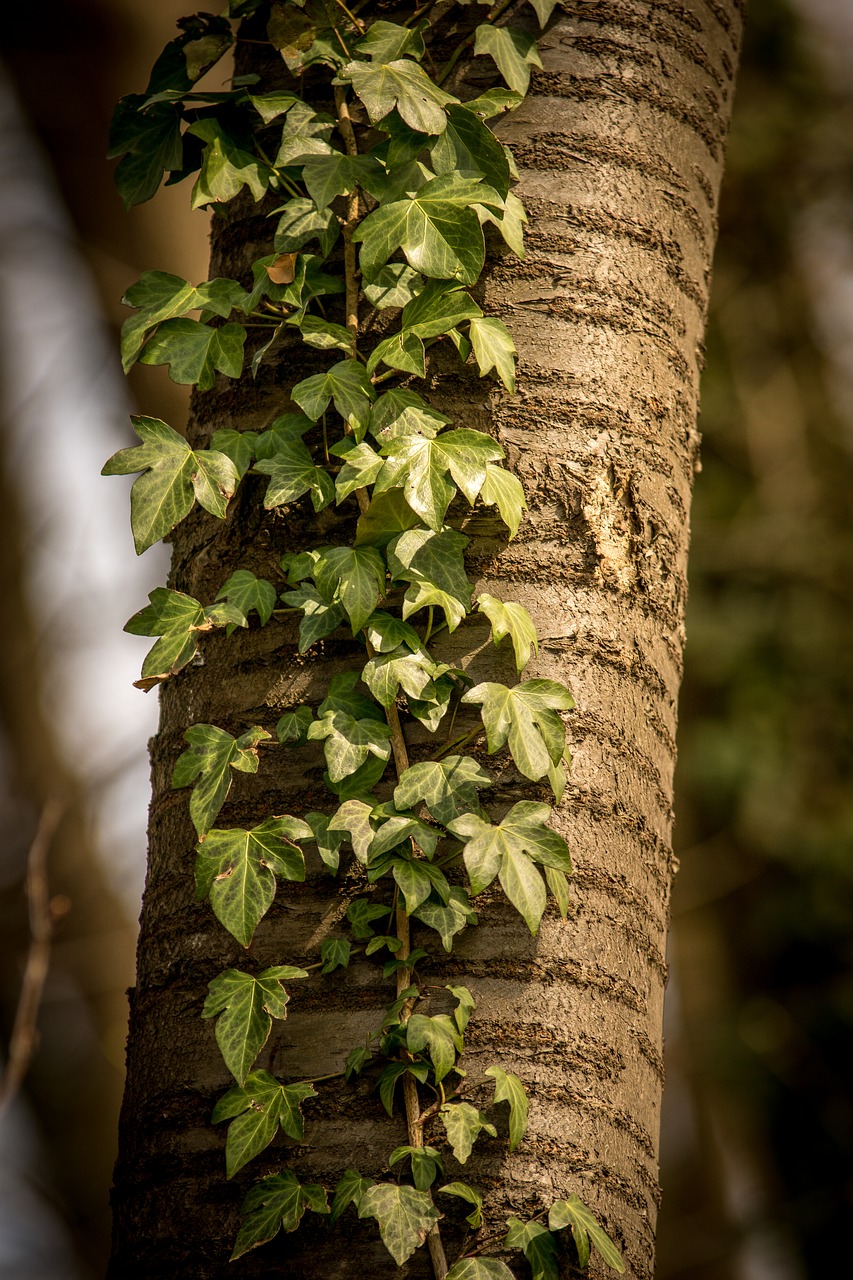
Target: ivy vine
column 405, row 175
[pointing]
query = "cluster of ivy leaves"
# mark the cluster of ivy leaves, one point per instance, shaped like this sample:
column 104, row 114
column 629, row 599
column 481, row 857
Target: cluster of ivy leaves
column 411, row 208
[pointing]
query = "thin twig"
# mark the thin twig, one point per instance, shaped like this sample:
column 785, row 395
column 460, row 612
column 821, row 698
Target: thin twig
column 43, row 914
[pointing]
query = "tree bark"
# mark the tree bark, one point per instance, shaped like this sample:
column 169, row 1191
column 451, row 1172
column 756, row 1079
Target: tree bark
column 620, row 147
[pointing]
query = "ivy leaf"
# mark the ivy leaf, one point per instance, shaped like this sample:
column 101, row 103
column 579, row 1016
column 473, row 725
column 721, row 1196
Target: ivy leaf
column 270, row 106
column 246, row 592
column 335, row 954
column 559, row 886
column 437, row 231
column 355, row 576
column 504, row 490
column 447, row 787
column 385, row 673
column 421, row 464
column 426, row 1163
column 510, row 222
column 257, row 1109
column 348, row 1190
column 403, row 84
column 386, row 633
column 393, row 286
column 149, row 142
column 526, row 718
column 544, row 9
column 319, row 616
column 513, row 50
column 386, row 41
column 178, row 620
column 404, row 413
column 387, row 515
column 194, row 351
column 239, row 446
column 328, row 842
column 276, row 1204
column 360, row 913
column 245, row 1007
column 361, row 466
column 494, row 349
column 414, row 882
column 293, row 727
column 479, row 1268
column 237, row 869
column 447, row 919
column 462, row 1189
column 301, row 222
column 440, row 1036
column 336, row 174
column 494, row 102
column 348, row 385
column 508, row 1088
column 348, row 742
column 538, row 1245
column 432, row 563
column 293, row 472
column 439, row 307
column 468, row 146
column 322, row 334
column 203, row 40
column 405, row 1217
column 159, row 296
column 514, row 621
column 404, row 351
column 207, row 764
column 585, row 1228
column 463, row 1124
column 465, row 1005
column 225, row 167
column 173, row 475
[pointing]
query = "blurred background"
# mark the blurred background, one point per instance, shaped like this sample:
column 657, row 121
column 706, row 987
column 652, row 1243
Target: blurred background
column 758, row 1126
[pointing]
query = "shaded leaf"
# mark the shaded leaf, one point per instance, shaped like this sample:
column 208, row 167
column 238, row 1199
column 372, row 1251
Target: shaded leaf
column 348, row 1190
column 405, row 1217
column 246, row 592
column 293, row 472
column 538, row 1245
column 447, row 787
column 276, row 1204
column 479, row 1268
column 237, row 869
column 426, row 1163
column 195, row 352
column 206, row 766
column 244, row 1007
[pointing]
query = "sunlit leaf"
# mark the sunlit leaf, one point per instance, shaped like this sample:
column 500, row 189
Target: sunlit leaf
column 508, row 1088
column 244, row 1007
column 237, row 869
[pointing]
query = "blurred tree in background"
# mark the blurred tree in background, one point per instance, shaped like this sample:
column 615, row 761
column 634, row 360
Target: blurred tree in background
column 759, row 1126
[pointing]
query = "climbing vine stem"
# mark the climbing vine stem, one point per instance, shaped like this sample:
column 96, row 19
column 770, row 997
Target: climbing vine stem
column 406, row 175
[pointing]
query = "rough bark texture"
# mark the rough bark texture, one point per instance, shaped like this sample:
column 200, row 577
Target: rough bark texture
column 620, row 148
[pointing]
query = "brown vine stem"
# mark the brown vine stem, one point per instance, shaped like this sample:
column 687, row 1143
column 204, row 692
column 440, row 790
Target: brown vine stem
column 43, row 915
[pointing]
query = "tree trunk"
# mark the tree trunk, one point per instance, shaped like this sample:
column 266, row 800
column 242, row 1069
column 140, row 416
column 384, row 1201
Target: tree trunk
column 620, row 147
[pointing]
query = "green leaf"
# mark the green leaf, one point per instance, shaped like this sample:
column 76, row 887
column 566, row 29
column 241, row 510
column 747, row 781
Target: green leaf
column 292, row 473
column 353, row 817
column 348, row 385
column 194, row 351
column 387, row 515
column 246, row 592
column 177, row 619
column 504, row 490
column 585, row 1228
column 355, row 576
column 559, row 886
column 437, row 231
column 293, row 725
column 386, row 633
column 301, row 222
column 347, row 742
column 510, row 222
column 493, row 102
column 404, row 413
column 404, row 1214
column 257, row 1109
column 270, row 106
column 245, row 1007
column 508, row 1088
column 159, row 296
column 173, row 475
column 440, row 1036
column 361, row 465
column 237, row 869
column 432, row 563
column 514, row 621
column 149, row 142
column 447, row 787
column 335, row 954
column 544, row 9
column 328, row 176
column 387, row 41
column 421, row 464
column 426, row 1163
column 465, row 1192
column 439, row 307
column 207, row 764
column 393, row 286
column 538, row 1245
column 320, row 617
column 385, row 673
column 463, row 1124
column 404, row 351
column 494, row 349
column 524, row 717
column 465, row 1006
column 403, row 84
column 467, row 146
column 276, row 1204
column 225, row 168
column 322, row 334
column 360, row 912
column 348, row 1190
column 447, row 920
column 513, row 50
column 239, row 446
column 479, row 1268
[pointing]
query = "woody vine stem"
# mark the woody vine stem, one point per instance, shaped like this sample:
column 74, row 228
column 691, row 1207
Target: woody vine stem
column 406, row 175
